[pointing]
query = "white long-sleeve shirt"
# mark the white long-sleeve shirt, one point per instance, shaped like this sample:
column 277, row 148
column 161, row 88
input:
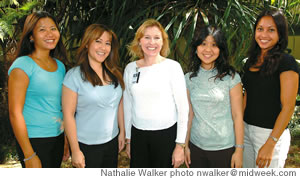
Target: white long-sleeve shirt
column 158, row 100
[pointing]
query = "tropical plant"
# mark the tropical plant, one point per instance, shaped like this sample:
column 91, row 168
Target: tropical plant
column 181, row 18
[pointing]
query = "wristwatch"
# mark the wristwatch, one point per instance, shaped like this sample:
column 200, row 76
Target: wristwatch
column 181, row 144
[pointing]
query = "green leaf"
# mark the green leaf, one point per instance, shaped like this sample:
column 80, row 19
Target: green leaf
column 15, row 2
column 191, row 31
column 204, row 17
column 227, row 11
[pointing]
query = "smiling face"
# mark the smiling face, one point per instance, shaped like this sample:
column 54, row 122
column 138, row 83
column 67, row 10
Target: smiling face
column 266, row 33
column 152, row 42
column 100, row 48
column 45, row 34
column 208, row 52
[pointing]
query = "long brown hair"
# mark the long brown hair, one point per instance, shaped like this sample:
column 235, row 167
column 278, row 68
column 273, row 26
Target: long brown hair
column 110, row 65
column 25, row 47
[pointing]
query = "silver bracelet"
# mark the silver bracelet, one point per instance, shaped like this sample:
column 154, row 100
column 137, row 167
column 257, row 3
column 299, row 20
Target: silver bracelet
column 30, row 157
column 274, row 138
column 239, row 146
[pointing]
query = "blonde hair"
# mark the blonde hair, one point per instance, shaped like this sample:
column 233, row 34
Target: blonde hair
column 135, row 51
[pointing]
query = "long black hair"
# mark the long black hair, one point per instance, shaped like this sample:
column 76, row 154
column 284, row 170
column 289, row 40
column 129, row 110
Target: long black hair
column 25, row 47
column 221, row 63
column 274, row 55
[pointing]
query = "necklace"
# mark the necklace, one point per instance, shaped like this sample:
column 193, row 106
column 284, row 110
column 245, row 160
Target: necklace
column 42, row 63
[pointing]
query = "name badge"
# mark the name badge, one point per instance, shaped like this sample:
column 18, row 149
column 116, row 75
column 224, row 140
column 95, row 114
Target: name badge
column 136, row 77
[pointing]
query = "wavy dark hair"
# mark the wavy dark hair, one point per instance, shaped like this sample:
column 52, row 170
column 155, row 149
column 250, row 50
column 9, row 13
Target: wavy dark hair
column 25, row 47
column 110, row 65
column 274, row 55
column 221, row 63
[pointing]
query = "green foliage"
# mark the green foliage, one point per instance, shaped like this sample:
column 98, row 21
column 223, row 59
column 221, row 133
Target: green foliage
column 10, row 14
column 5, row 3
column 235, row 18
column 181, row 19
column 294, row 124
column 118, row 15
column 6, row 135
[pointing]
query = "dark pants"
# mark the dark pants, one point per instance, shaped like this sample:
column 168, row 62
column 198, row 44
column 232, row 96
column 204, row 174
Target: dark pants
column 152, row 149
column 50, row 150
column 210, row 159
column 101, row 155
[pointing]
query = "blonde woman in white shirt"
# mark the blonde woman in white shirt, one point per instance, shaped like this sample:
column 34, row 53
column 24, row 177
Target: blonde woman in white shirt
column 155, row 101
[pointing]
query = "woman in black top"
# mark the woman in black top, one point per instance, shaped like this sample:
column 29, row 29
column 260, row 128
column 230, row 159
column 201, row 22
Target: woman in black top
column 271, row 85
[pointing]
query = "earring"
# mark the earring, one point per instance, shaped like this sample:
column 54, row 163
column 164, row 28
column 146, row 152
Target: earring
column 31, row 41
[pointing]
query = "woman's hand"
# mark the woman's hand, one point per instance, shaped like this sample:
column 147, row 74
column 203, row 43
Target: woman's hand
column 78, row 159
column 187, row 156
column 66, row 150
column 265, row 154
column 237, row 158
column 128, row 148
column 178, row 156
column 121, row 139
column 34, row 162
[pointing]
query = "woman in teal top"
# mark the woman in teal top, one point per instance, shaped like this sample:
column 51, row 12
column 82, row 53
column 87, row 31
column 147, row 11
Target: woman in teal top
column 34, row 93
column 215, row 127
column 92, row 101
